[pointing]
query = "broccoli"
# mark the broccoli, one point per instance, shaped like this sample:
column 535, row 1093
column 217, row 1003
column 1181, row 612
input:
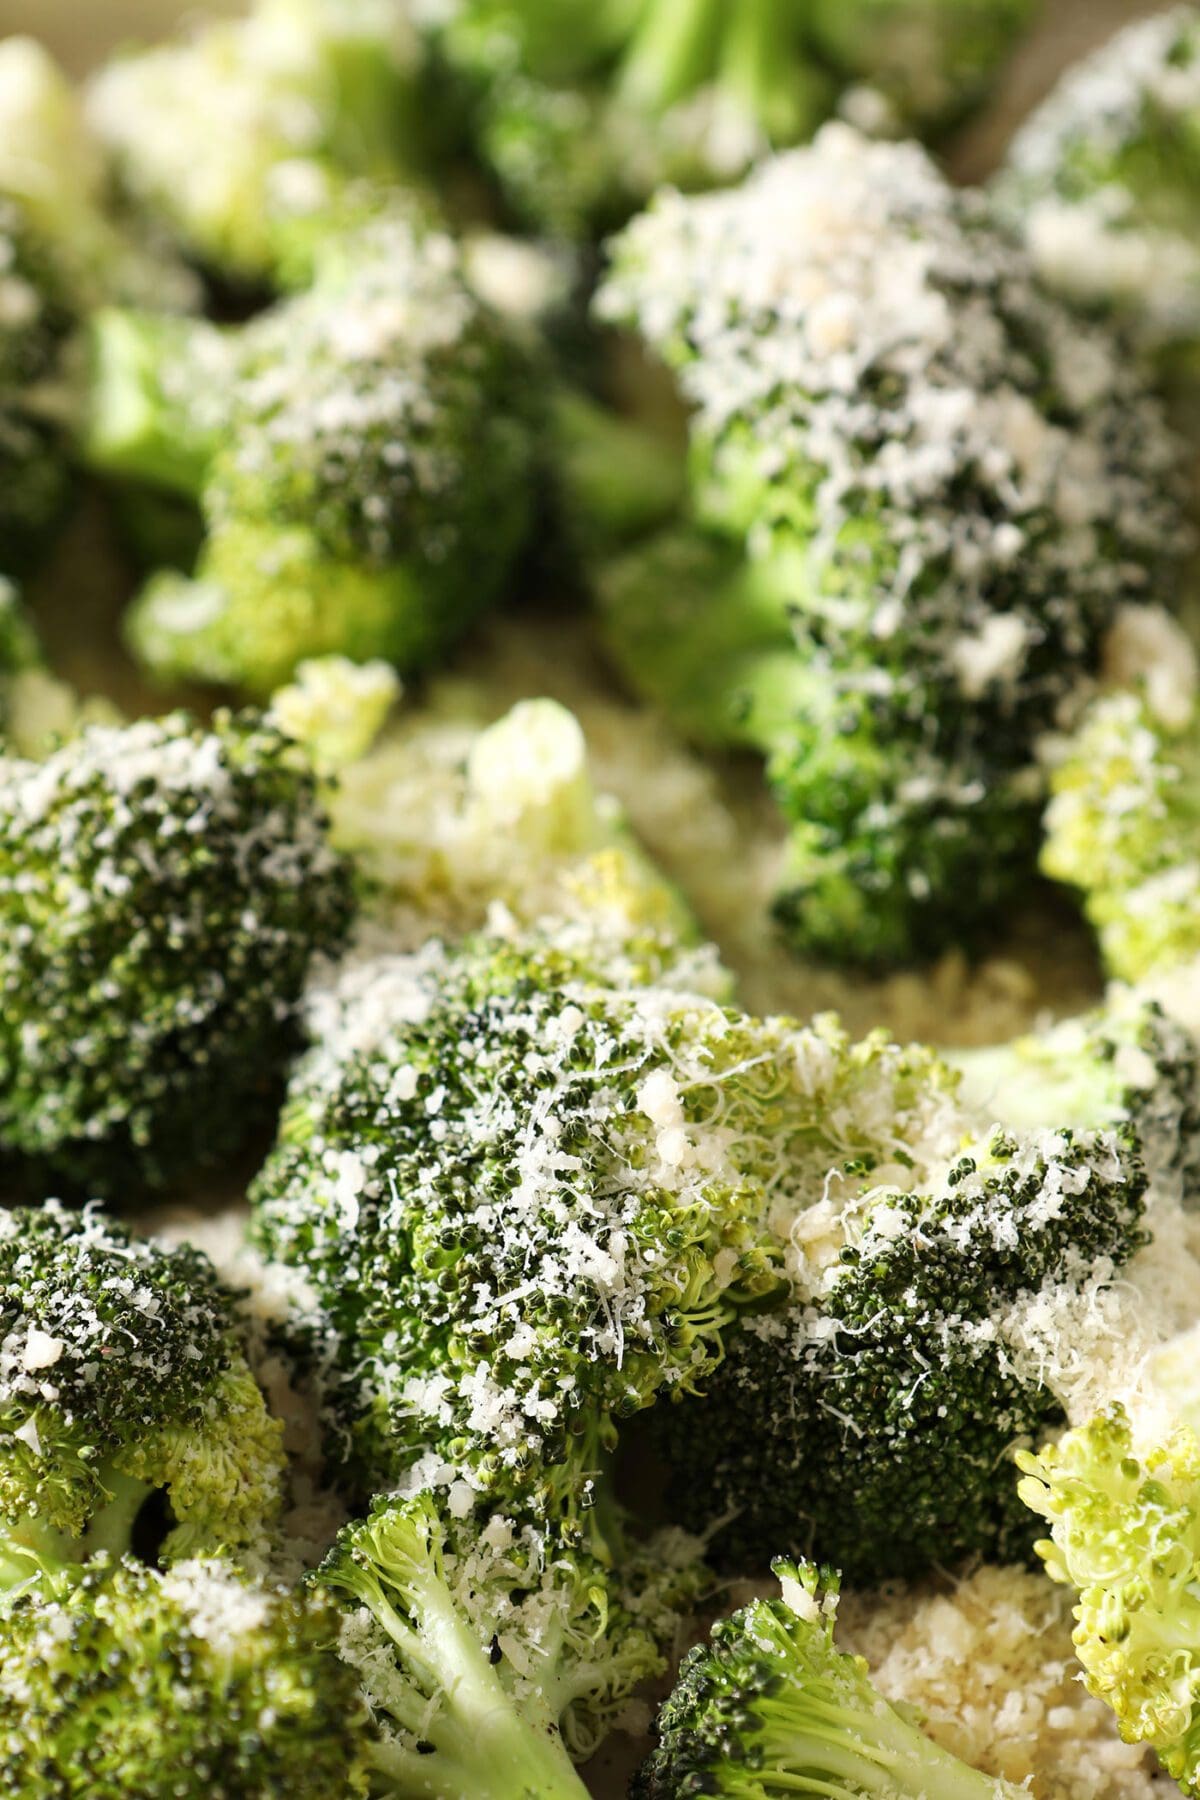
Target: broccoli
column 122, row 1375
column 1103, row 178
column 163, row 888
column 890, row 1388
column 446, row 819
column 491, row 1657
column 228, row 137
column 769, row 1707
column 193, row 1684
column 915, row 510
column 1123, row 1521
column 580, row 112
column 1121, row 827
column 527, row 1195
column 361, row 452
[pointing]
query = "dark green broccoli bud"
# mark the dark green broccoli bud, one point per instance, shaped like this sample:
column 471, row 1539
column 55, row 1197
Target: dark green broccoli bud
column 189, row 1685
column 163, row 889
column 226, row 137
column 1121, row 828
column 491, row 1654
column 1126, row 1063
column 528, row 1196
column 1124, row 1522
column 922, row 459
column 1103, row 180
column 932, row 60
column 122, row 1373
column 893, row 1387
column 361, row 454
column 770, row 1707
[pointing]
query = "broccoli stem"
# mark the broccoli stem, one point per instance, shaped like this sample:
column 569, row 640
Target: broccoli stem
column 761, row 71
column 672, row 52
column 620, row 477
column 34, row 1551
column 111, row 1526
column 154, row 397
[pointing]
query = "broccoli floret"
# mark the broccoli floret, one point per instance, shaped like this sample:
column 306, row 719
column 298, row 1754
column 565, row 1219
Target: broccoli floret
column 490, row 1656
column 927, row 508
column 446, row 818
column 361, row 453
column 1121, row 827
column 1125, row 1063
column 163, row 889
column 1123, row 1520
column 189, row 1685
column 770, row 1707
column 229, row 136
column 1103, row 180
column 583, row 1220
column 888, row 1389
column 122, row 1374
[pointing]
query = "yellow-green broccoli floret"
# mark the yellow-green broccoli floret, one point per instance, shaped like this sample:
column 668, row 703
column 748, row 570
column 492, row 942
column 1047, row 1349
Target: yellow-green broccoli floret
column 163, row 889
column 193, row 1684
column 769, row 1707
column 122, row 1374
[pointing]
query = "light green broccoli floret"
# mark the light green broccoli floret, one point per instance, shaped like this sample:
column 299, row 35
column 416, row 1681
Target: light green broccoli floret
column 1103, row 180
column 163, row 889
column 1126, row 1063
column 903, row 552
column 228, row 137
column 590, row 1216
column 492, row 1653
column 122, row 1374
column 1122, row 827
column 770, row 1707
column 447, row 818
column 362, row 455
column 1125, row 1532
column 193, row 1684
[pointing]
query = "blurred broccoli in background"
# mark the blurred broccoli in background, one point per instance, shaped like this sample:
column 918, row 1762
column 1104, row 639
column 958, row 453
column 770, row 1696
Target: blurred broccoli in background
column 362, row 454
column 1104, row 180
column 194, row 1684
column 581, row 111
column 163, row 889
column 232, row 134
column 122, row 1374
column 918, row 501
column 769, row 1707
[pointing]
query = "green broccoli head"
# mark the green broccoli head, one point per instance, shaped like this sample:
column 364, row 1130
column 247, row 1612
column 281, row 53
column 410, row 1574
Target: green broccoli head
column 552, row 1184
column 770, row 1707
column 1123, row 1522
column 163, row 888
column 1121, row 827
column 192, row 1684
column 1124, row 1064
column 492, row 1653
column 226, row 137
column 892, row 1387
column 1103, row 179
column 361, row 452
column 122, row 1374
column 919, row 534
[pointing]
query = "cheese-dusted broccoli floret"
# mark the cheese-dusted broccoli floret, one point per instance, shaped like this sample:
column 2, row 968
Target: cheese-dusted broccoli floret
column 122, row 1374
column 362, row 455
column 928, row 507
column 163, row 888
column 554, row 1184
column 193, row 1684
column 226, row 136
column 1103, row 180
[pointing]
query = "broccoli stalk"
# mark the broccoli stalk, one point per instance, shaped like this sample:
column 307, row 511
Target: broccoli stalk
column 769, row 1707
column 750, row 53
